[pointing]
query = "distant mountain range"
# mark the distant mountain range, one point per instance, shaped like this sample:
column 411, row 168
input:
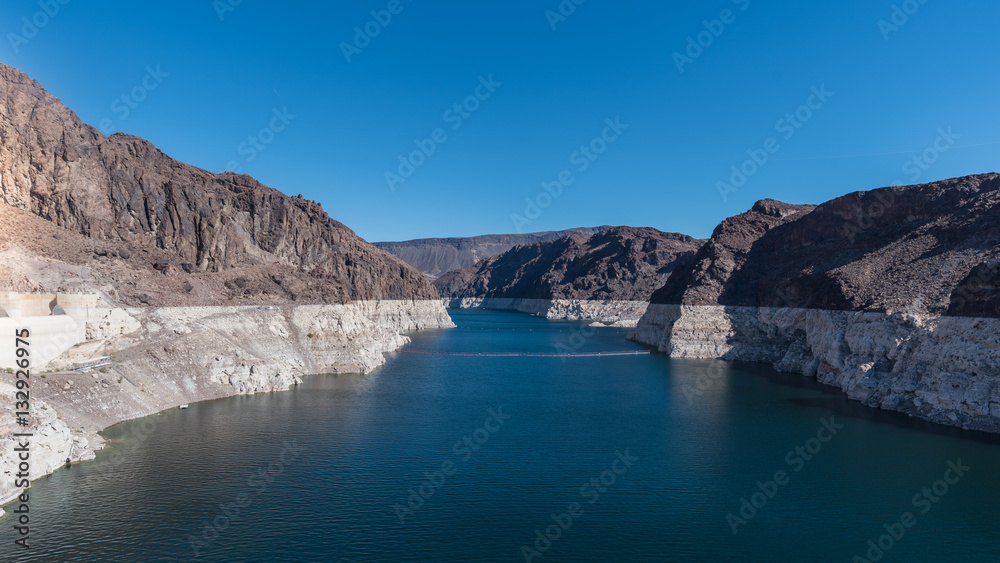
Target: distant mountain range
column 435, row 256
column 931, row 249
column 620, row 263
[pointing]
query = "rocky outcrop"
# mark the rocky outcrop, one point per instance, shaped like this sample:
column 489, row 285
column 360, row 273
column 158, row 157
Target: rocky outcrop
column 621, row 263
column 889, row 295
column 435, row 256
column 158, row 217
column 932, row 246
column 704, row 279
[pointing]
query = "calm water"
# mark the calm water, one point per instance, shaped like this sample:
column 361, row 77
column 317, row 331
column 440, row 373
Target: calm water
column 345, row 452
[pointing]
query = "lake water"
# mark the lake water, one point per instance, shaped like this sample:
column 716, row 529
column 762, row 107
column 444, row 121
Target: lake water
column 438, row 457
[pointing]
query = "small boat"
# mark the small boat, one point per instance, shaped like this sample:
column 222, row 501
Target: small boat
column 183, row 407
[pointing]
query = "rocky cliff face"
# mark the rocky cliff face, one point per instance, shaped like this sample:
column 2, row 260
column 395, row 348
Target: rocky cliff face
column 163, row 217
column 435, row 256
column 210, row 285
column 890, row 295
column 606, row 277
column 706, row 278
column 621, row 263
column 932, row 248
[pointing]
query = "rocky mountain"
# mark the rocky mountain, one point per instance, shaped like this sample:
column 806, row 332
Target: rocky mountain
column 932, row 248
column 435, row 256
column 890, row 295
column 154, row 230
column 704, row 279
column 176, row 263
column 621, row 263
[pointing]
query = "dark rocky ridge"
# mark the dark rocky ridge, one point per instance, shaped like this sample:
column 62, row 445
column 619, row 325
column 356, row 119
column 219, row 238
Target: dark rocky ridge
column 931, row 248
column 436, row 256
column 622, row 263
column 704, row 279
column 132, row 198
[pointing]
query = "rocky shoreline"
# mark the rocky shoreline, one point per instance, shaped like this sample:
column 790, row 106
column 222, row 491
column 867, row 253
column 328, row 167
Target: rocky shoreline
column 197, row 285
column 939, row 368
column 607, row 312
column 164, row 357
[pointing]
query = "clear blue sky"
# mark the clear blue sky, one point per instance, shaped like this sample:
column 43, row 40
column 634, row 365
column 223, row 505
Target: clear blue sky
column 227, row 76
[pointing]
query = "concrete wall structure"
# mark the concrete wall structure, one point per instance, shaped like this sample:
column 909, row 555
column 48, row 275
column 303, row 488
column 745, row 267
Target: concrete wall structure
column 55, row 322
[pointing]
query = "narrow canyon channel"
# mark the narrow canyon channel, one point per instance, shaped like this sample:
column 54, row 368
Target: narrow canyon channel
column 489, row 442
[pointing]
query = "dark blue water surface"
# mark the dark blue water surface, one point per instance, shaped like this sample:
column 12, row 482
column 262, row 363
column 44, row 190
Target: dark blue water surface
column 357, row 466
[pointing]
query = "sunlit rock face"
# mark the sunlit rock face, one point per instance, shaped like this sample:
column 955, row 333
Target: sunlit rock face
column 890, row 295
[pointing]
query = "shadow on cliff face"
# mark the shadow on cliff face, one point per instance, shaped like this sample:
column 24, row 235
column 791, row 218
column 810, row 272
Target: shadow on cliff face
column 836, row 402
column 978, row 295
column 756, row 341
column 779, row 272
column 849, row 408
